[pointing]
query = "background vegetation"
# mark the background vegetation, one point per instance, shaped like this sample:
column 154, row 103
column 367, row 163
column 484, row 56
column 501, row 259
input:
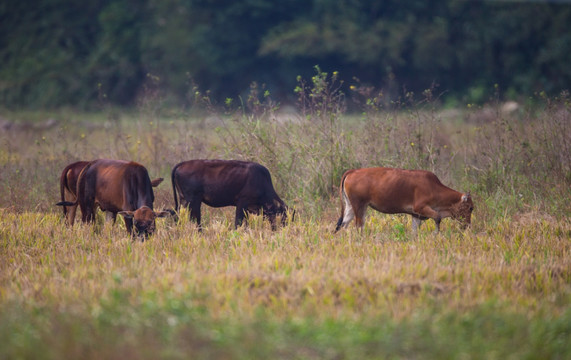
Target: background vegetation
column 61, row 52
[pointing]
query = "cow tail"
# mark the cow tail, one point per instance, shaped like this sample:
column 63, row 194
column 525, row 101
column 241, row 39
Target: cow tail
column 173, row 181
column 342, row 195
column 62, row 186
column 80, row 187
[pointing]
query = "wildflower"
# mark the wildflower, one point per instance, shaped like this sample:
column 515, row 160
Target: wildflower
column 353, row 87
column 411, row 144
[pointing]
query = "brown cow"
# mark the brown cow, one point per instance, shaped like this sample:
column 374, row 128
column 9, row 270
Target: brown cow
column 119, row 187
column 219, row 183
column 395, row 191
column 68, row 188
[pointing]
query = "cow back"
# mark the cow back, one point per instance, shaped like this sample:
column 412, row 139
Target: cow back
column 116, row 185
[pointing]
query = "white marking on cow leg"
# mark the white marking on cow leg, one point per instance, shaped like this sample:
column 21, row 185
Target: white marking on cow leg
column 416, row 222
column 349, row 214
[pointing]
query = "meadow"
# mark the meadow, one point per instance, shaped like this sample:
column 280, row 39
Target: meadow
column 500, row 289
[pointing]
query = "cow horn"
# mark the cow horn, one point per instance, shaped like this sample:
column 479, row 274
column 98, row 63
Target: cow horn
column 156, row 182
column 163, row 213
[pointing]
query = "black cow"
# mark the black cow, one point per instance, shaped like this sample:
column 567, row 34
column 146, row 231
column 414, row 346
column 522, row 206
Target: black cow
column 219, row 183
column 119, row 187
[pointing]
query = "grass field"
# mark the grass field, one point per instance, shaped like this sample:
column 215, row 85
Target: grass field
column 501, row 289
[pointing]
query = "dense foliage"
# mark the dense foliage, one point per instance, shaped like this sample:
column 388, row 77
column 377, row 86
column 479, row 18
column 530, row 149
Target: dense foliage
column 63, row 52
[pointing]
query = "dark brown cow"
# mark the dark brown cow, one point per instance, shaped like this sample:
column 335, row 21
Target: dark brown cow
column 219, row 183
column 68, row 188
column 395, row 191
column 119, row 187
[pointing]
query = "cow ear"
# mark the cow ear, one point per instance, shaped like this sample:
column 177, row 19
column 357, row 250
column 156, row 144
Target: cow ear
column 156, row 182
column 465, row 197
column 162, row 213
column 127, row 214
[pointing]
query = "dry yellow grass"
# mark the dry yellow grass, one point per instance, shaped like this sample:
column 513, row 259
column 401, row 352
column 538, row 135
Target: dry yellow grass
column 300, row 270
column 513, row 263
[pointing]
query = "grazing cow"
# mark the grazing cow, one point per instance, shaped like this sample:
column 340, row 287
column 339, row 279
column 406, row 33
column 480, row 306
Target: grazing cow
column 68, row 188
column 119, row 187
column 395, row 191
column 219, row 183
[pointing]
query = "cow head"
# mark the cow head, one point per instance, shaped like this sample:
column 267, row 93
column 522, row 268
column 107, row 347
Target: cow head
column 462, row 211
column 274, row 208
column 143, row 220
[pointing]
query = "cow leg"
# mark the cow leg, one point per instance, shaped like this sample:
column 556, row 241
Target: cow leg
column 87, row 210
column 240, row 215
column 437, row 221
column 271, row 218
column 128, row 225
column 87, row 214
column 111, row 216
column 71, row 215
column 425, row 211
column 268, row 212
column 347, row 215
column 69, row 211
column 360, row 212
column 194, row 213
column 86, row 195
column 416, row 222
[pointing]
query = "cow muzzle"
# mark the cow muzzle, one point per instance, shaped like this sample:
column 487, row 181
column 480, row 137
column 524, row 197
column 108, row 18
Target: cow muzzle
column 143, row 231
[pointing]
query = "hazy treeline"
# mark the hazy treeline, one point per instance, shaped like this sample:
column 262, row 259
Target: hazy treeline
column 64, row 52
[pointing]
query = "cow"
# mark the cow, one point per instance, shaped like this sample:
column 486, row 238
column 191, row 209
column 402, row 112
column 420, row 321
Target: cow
column 119, row 187
column 68, row 188
column 418, row 193
column 218, row 183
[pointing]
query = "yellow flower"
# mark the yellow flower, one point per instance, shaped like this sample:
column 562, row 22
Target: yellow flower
column 352, row 87
column 411, row 144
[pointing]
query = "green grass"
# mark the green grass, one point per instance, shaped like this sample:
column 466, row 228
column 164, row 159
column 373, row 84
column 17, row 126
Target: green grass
column 178, row 330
